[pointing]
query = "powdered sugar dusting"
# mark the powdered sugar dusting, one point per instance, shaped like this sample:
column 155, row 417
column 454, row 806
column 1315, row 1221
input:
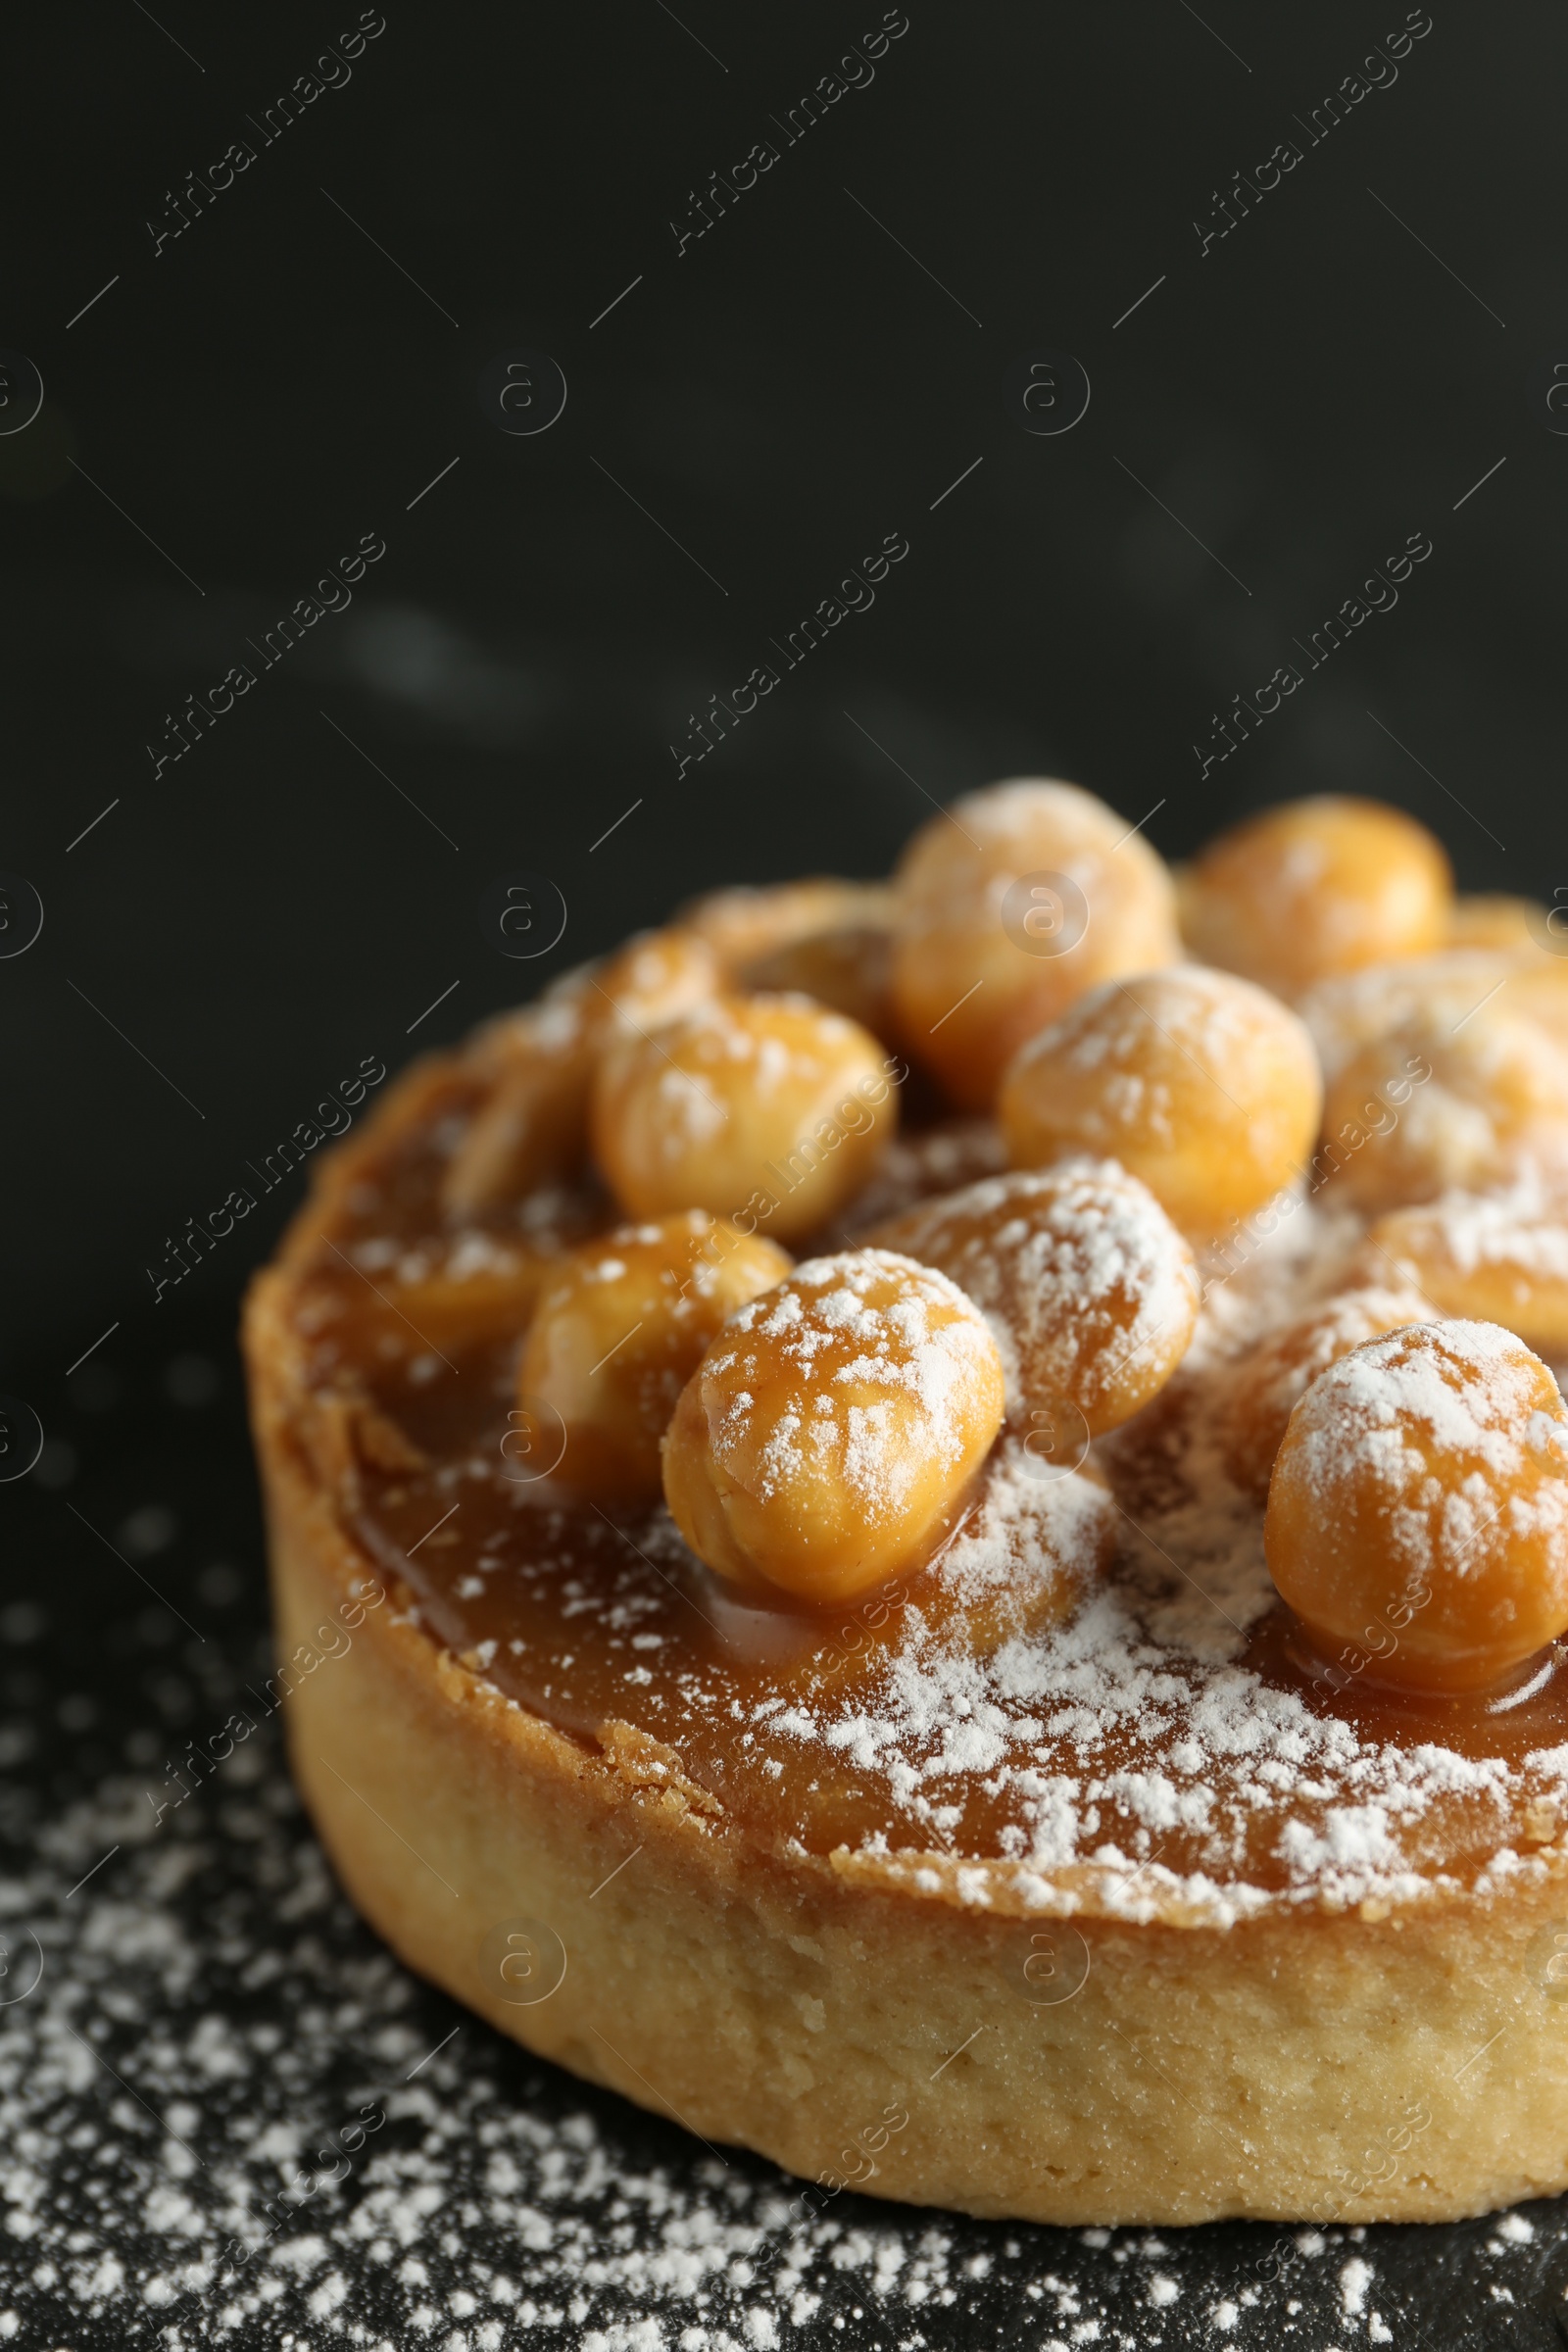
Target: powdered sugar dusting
column 1106, row 1747
column 1520, row 1230
column 916, row 1166
column 492, row 2202
column 1130, row 1761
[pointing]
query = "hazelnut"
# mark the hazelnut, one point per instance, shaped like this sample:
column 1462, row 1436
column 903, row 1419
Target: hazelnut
column 617, row 1332
column 1012, row 903
column 769, row 1105
column 828, row 1439
column 1314, row 887
column 1418, row 1516
column 1202, row 1084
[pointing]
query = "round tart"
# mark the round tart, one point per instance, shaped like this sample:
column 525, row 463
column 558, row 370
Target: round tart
column 856, row 1716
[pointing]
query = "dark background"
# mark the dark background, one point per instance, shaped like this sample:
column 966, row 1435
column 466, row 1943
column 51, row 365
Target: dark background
column 779, row 396
column 225, row 939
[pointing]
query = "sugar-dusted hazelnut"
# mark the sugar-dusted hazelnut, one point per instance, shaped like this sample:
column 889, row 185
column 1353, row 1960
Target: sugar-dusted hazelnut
column 1202, row 1084
column 1491, row 919
column 1313, row 886
column 655, row 977
column 1356, row 1008
column 767, row 1106
column 1012, row 903
column 744, row 924
column 827, row 1439
column 1538, row 988
column 1084, row 1278
column 848, row 969
column 1265, row 1383
column 617, row 1332
column 1500, row 1259
column 1417, row 1517
column 539, row 1063
column 1438, row 1103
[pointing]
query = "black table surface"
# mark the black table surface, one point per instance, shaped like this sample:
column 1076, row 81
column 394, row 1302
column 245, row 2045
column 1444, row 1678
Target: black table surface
column 192, row 2010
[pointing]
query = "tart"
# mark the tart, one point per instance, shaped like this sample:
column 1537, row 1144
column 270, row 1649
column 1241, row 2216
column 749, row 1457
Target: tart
column 1011, row 1661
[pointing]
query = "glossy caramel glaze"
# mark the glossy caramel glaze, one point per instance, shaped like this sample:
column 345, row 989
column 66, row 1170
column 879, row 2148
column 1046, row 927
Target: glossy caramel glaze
column 1526, row 1710
column 1174, row 1731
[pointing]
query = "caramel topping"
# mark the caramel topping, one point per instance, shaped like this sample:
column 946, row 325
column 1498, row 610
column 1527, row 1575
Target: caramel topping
column 1128, row 1723
column 1522, row 1711
column 1079, row 1674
